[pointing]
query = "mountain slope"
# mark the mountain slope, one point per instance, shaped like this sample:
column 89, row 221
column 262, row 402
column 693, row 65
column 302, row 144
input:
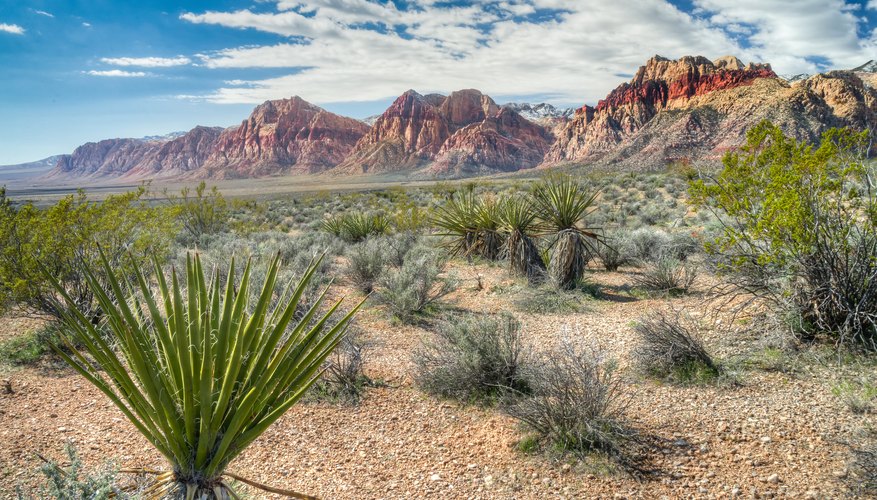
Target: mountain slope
column 693, row 109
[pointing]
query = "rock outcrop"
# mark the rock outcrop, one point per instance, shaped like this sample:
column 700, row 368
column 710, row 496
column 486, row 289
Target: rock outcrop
column 461, row 134
column 693, row 109
column 288, row 136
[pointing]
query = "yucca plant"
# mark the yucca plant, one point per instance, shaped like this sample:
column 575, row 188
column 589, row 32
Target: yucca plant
column 197, row 369
column 457, row 221
column 518, row 221
column 472, row 225
column 355, row 227
column 562, row 205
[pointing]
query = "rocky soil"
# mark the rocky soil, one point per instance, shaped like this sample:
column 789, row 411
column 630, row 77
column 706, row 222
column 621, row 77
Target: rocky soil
column 770, row 434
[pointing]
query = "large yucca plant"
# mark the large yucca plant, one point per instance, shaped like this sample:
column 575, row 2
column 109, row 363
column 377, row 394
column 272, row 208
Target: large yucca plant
column 518, row 221
column 563, row 205
column 472, row 226
column 199, row 370
column 356, row 227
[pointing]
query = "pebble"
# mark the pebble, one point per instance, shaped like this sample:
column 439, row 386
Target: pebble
column 435, row 477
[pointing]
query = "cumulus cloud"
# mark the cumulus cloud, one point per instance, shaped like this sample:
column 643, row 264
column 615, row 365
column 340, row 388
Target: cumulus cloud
column 12, row 28
column 117, row 73
column 147, row 62
column 362, row 50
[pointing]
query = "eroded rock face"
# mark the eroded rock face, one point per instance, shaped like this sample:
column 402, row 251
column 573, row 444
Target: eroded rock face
column 139, row 159
column 283, row 136
column 693, row 109
column 463, row 133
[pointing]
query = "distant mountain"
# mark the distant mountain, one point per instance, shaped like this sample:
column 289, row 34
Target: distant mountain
column 689, row 110
column 464, row 133
column 27, row 170
column 693, row 110
column 163, row 138
column 539, row 112
column 868, row 67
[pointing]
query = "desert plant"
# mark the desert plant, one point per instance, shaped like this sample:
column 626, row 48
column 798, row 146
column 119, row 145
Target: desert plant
column 413, row 289
column 73, row 482
column 366, row 262
column 60, row 236
column 343, row 379
column 563, row 205
column 798, row 228
column 667, row 275
column 669, row 346
column 614, row 251
column 518, row 221
column 201, row 213
column 473, row 359
column 201, row 373
column 357, row 226
column 576, row 402
column 472, row 225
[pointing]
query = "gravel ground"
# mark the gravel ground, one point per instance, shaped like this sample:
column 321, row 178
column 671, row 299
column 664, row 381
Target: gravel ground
column 770, row 434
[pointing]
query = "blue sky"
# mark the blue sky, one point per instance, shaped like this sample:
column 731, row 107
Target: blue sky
column 78, row 71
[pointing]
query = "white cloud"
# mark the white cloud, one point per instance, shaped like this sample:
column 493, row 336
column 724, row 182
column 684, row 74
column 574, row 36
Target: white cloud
column 43, row 13
column 872, row 4
column 117, row 73
column 87, row 25
column 576, row 50
column 147, row 62
column 12, row 28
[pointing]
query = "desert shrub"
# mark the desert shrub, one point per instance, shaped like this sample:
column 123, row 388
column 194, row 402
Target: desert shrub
column 669, row 346
column 343, row 379
column 563, row 205
column 472, row 358
column 414, row 289
column 29, row 348
column 73, row 482
column 39, row 242
column 857, row 395
column 204, row 212
column 615, row 251
column 366, row 262
column 551, row 300
column 798, row 229
column 576, row 403
column 356, row 226
column 398, row 245
column 667, row 275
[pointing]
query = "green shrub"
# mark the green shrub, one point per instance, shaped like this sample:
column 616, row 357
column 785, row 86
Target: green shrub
column 205, row 212
column 56, row 239
column 472, row 359
column 72, row 482
column 29, row 348
column 798, row 229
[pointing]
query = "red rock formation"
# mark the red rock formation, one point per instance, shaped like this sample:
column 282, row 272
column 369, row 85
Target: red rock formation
column 283, row 136
column 695, row 110
column 463, row 132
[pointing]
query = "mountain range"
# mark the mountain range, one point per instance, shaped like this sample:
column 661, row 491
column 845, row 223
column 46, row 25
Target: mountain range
column 689, row 110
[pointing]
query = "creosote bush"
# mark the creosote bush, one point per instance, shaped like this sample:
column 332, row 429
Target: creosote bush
column 669, row 346
column 799, row 229
column 472, row 359
column 576, row 403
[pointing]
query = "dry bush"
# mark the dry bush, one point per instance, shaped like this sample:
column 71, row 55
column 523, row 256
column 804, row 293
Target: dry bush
column 669, row 346
column 473, row 359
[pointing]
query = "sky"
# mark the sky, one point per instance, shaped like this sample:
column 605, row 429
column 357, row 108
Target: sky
column 74, row 71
